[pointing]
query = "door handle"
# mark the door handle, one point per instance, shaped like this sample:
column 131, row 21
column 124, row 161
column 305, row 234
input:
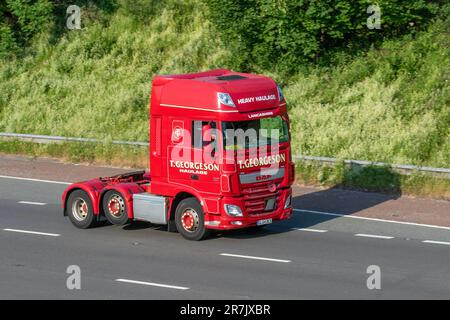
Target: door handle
column 194, row 177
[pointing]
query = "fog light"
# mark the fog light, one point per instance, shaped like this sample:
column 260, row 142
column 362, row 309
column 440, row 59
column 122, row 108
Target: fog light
column 233, row 210
column 236, row 223
column 288, row 201
column 213, row 223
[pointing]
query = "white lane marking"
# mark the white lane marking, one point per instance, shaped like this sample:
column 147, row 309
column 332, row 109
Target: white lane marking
column 35, row 180
column 255, row 258
column 372, row 236
column 152, row 284
column 372, row 219
column 32, row 203
column 436, row 242
column 310, row 230
column 33, row 232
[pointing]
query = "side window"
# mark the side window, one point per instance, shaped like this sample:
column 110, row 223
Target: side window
column 203, row 133
column 197, row 134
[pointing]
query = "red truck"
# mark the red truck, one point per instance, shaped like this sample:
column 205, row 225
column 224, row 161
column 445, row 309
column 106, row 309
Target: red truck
column 220, row 158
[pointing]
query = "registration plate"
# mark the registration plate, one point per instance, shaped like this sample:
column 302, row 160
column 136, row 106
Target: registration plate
column 263, row 222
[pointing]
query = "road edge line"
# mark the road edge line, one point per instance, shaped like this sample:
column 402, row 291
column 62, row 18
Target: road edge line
column 34, row 180
column 372, row 219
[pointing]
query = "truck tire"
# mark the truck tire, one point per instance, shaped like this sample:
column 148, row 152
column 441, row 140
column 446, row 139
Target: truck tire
column 115, row 208
column 80, row 210
column 190, row 221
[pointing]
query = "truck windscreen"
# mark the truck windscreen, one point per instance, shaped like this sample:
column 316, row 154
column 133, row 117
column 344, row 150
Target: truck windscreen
column 240, row 135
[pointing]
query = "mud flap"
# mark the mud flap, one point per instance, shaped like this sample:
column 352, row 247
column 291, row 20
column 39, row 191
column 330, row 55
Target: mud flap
column 171, row 227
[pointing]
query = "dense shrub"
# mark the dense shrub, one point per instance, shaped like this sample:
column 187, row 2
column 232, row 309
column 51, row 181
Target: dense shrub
column 20, row 21
column 142, row 10
column 264, row 33
column 390, row 104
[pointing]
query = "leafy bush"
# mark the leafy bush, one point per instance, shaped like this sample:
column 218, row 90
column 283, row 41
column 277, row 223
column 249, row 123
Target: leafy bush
column 389, row 105
column 7, row 41
column 21, row 20
column 142, row 10
column 264, row 33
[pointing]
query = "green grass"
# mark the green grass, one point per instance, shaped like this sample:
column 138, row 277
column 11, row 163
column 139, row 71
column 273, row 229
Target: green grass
column 372, row 179
column 390, row 104
column 96, row 82
column 102, row 154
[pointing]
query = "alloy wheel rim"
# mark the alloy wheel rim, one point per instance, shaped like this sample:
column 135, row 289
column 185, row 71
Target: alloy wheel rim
column 80, row 209
column 190, row 220
column 116, row 206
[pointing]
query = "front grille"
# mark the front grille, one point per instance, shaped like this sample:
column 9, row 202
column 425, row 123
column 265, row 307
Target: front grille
column 255, row 199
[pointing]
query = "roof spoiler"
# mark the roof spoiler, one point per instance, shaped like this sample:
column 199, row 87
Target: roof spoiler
column 213, row 73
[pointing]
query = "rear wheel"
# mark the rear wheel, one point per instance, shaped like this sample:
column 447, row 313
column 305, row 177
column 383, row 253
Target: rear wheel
column 80, row 210
column 115, row 208
column 189, row 220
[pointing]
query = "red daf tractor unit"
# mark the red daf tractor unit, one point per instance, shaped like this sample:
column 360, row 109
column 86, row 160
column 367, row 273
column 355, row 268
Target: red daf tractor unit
column 201, row 176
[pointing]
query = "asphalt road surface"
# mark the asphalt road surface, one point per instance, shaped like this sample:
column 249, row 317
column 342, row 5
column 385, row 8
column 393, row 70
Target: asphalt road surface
column 316, row 255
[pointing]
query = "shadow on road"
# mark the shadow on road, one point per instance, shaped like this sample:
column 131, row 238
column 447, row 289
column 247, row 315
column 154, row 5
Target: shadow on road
column 332, row 200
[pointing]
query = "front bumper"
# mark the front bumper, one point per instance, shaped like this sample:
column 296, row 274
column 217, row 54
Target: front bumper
column 225, row 222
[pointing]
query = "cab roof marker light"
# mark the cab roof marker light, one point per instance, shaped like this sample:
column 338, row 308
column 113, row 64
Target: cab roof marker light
column 280, row 93
column 225, row 98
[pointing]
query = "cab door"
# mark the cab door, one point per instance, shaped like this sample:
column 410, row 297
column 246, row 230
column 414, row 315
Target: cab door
column 205, row 153
column 193, row 155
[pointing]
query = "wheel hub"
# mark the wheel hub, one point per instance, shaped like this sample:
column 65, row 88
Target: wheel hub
column 190, row 220
column 80, row 209
column 116, row 205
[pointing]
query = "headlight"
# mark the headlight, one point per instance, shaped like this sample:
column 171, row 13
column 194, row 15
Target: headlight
column 225, row 98
column 288, row 201
column 233, row 210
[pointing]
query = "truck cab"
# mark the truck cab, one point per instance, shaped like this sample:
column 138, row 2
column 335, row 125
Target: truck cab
column 220, row 158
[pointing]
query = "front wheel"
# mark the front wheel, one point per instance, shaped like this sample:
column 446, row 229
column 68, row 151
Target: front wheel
column 190, row 221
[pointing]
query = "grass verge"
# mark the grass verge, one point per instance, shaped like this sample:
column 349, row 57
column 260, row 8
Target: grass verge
column 381, row 179
column 100, row 154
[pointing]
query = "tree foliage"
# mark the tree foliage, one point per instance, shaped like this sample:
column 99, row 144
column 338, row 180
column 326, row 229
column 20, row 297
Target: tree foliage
column 20, row 20
column 288, row 33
